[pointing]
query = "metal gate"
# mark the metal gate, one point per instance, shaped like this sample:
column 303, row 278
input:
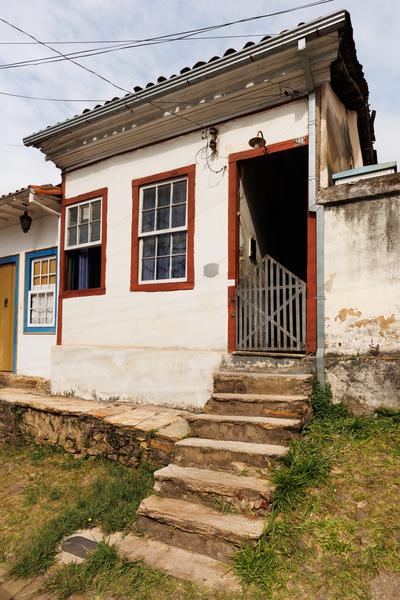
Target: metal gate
column 271, row 309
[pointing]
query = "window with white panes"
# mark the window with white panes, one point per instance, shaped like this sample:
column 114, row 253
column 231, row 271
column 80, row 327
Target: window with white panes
column 163, row 231
column 42, row 293
column 83, row 224
column 83, row 245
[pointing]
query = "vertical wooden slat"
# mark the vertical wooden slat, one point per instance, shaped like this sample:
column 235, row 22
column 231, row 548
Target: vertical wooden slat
column 272, row 303
column 297, row 297
column 284, row 307
column 278, row 309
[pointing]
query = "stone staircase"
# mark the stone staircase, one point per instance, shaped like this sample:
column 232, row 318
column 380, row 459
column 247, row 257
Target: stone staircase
column 215, row 496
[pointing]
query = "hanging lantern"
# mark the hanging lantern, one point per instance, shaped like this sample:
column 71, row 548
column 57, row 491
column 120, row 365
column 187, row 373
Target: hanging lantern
column 25, row 221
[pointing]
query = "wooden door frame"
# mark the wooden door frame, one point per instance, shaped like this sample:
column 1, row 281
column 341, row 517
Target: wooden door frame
column 233, row 243
column 7, row 260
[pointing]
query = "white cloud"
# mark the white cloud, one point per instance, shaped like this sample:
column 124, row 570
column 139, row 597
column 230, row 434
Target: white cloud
column 375, row 29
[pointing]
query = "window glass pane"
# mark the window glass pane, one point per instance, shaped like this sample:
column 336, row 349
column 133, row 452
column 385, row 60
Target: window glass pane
column 149, row 247
column 163, row 218
column 179, row 192
column 52, row 279
column 148, row 221
column 149, row 198
column 72, row 216
column 95, row 232
column 45, row 267
column 178, row 215
column 44, row 280
column 164, row 193
column 163, row 267
column 36, row 267
column 178, row 268
column 148, row 269
column 164, row 245
column 36, row 281
column 179, row 243
column 72, row 236
column 96, row 210
column 53, row 265
column 84, row 213
column 83, row 234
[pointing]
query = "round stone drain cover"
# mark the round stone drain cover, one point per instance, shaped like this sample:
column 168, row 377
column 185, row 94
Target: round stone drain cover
column 78, row 546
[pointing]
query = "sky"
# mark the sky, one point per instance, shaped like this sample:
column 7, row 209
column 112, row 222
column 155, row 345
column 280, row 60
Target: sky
column 376, row 31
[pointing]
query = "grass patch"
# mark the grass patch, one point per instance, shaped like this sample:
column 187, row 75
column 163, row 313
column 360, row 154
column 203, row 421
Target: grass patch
column 109, row 500
column 333, row 516
column 104, row 572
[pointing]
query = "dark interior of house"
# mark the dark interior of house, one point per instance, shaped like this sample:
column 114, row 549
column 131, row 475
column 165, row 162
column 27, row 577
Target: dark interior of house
column 275, row 186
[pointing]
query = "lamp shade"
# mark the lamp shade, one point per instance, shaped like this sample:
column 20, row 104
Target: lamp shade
column 25, row 221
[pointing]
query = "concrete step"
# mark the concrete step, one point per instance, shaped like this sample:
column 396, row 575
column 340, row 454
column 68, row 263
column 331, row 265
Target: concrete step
column 196, row 527
column 260, row 430
column 262, row 383
column 262, row 405
column 226, row 455
column 267, row 361
column 215, row 488
column 177, row 562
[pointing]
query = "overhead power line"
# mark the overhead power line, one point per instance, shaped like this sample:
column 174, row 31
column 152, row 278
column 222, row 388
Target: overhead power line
column 105, row 79
column 134, row 41
column 167, row 38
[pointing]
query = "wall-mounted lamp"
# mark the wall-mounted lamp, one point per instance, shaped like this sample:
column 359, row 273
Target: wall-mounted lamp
column 258, row 141
column 25, row 221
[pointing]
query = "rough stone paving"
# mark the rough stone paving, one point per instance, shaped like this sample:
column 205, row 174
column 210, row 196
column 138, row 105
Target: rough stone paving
column 119, row 432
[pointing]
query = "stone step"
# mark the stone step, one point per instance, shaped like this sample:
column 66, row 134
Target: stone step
column 226, row 455
column 215, row 488
column 196, row 527
column 267, row 361
column 260, row 430
column 177, row 562
column 263, row 405
column 262, row 383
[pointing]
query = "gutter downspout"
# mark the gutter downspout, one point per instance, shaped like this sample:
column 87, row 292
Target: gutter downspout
column 317, row 209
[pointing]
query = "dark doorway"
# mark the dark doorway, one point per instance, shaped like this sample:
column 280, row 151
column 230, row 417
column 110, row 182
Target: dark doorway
column 273, row 210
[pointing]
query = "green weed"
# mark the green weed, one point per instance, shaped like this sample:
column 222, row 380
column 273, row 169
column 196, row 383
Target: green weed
column 109, row 502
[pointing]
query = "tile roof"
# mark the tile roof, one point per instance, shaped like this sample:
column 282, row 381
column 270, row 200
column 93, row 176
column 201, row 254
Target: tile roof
column 161, row 78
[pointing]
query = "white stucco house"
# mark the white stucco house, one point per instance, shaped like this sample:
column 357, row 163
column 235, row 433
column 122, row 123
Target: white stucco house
column 191, row 225
column 29, row 278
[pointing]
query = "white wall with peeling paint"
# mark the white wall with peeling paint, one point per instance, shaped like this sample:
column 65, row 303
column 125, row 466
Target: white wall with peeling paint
column 362, row 276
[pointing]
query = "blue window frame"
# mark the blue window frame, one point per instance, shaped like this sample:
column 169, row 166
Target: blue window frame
column 7, row 260
column 41, row 285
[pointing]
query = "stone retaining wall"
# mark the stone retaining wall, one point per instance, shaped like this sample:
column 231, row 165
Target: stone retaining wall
column 86, row 435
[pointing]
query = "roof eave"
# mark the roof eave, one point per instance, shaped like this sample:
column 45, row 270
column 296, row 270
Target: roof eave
column 322, row 25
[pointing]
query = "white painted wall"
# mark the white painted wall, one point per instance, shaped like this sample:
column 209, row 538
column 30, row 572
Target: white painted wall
column 180, row 321
column 362, row 276
column 33, row 349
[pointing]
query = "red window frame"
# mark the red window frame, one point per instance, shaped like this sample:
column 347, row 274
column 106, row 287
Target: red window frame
column 64, row 293
column 137, row 286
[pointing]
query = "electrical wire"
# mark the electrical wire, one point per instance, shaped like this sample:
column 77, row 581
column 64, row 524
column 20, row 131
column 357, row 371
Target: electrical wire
column 66, row 43
column 96, row 73
column 185, row 35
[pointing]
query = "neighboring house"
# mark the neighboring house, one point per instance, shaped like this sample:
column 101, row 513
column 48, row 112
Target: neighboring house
column 28, row 278
column 190, row 226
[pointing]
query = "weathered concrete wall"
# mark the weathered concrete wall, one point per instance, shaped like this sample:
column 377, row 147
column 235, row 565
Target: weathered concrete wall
column 33, row 349
column 176, row 378
column 362, row 268
column 339, row 144
column 191, row 324
column 365, row 383
column 362, row 291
